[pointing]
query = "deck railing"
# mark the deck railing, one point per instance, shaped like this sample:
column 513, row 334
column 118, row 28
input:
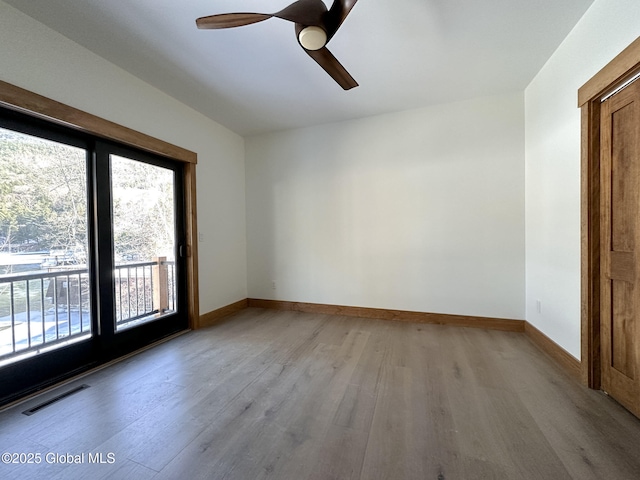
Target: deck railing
column 143, row 289
column 42, row 310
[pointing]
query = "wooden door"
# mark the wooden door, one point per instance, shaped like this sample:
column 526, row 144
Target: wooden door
column 620, row 246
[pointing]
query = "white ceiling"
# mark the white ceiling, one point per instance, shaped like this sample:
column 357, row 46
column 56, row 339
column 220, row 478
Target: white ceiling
column 253, row 79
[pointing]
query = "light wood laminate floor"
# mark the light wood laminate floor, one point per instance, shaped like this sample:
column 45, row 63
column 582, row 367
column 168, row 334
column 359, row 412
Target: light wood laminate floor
column 286, row 395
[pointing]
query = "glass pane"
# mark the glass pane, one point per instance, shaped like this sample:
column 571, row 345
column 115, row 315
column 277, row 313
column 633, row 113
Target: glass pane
column 144, row 241
column 44, row 281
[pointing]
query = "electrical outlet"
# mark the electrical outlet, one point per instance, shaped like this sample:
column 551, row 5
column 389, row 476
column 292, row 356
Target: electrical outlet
column 201, row 236
column 538, row 306
column 273, row 285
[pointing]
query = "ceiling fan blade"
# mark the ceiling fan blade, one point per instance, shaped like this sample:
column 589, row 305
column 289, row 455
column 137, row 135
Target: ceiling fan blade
column 229, row 20
column 333, row 67
column 337, row 14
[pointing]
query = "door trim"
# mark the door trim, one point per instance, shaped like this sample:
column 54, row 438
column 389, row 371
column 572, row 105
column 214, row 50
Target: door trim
column 25, row 101
column 16, row 98
column 615, row 73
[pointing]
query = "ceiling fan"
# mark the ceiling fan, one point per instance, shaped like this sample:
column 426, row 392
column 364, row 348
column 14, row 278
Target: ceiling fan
column 315, row 25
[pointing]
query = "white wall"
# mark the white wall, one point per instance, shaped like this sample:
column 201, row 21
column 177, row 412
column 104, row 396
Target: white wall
column 36, row 58
column 421, row 210
column 553, row 166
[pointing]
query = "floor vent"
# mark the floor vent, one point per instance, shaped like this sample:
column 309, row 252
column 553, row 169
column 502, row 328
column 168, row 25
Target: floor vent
column 37, row 408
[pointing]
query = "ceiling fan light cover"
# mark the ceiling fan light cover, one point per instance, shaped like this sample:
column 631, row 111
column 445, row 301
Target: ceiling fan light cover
column 313, row 38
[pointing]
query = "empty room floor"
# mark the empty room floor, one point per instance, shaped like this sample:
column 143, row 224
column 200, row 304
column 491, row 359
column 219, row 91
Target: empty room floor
column 287, row 395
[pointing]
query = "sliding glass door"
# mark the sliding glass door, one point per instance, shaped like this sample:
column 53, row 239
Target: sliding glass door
column 91, row 237
column 144, row 241
column 142, row 270
column 45, row 293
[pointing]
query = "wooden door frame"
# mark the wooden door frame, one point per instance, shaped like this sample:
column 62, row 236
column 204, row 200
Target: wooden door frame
column 615, row 73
